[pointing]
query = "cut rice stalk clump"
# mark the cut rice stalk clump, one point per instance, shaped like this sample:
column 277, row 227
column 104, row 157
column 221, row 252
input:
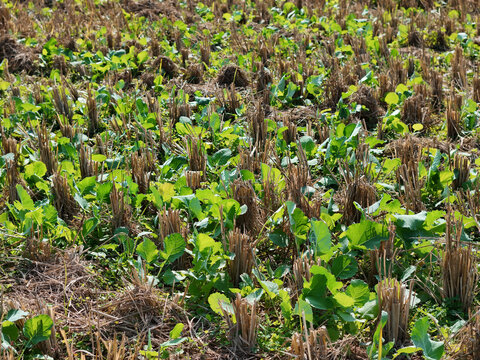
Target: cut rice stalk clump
column 242, row 325
column 395, row 299
column 232, row 74
column 436, row 84
column 358, row 186
column 459, row 266
column 371, row 111
column 93, row 121
column 19, row 56
column 243, row 248
column 194, row 74
column 408, row 179
column 121, row 211
column 258, row 125
column 88, row 167
column 301, row 270
column 381, row 257
column 453, row 123
column 165, row 64
column 243, row 192
column 476, row 88
column 65, row 204
column 196, row 154
column 46, row 153
column 169, row 222
column 13, row 177
column 62, row 104
column 178, row 108
column 312, row 345
column 416, row 111
column 461, row 171
column 140, row 173
column 459, row 69
column 193, row 179
column 469, row 340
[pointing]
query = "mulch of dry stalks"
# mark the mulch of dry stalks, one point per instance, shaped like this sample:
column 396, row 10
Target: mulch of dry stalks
column 19, row 56
column 68, row 286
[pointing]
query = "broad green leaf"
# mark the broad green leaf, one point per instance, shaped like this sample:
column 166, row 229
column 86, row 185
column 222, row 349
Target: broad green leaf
column 322, row 236
column 307, row 144
column 302, row 307
column 174, row 247
column 10, row 331
column 147, row 250
column 25, row 199
column 270, row 288
column 37, row 168
column 343, row 299
column 432, row 350
column 392, row 98
column 103, row 190
column 173, row 342
column 37, row 329
column 221, row 157
column 167, row 191
column 15, row 315
column 358, row 290
column 99, row 157
column 176, row 331
column 219, row 301
column 89, row 226
column 366, row 235
column 344, row 267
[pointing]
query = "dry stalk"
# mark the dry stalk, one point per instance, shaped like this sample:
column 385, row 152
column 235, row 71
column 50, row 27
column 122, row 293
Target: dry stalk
column 93, row 124
column 196, row 154
column 88, row 167
column 461, row 169
column 241, row 245
column 169, row 222
column 242, row 332
column 120, row 209
column 407, row 175
column 359, row 186
column 312, row 345
column 140, row 173
column 395, row 299
column 244, row 193
column 62, row 105
column 46, row 153
column 193, row 179
column 65, row 204
column 459, row 265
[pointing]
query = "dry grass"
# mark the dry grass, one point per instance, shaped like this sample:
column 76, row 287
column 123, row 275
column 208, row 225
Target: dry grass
column 243, row 330
column 65, row 204
column 88, row 167
column 193, row 179
column 196, row 154
column 243, row 192
column 407, row 176
column 394, row 298
column 459, row 266
column 244, row 249
column 140, row 173
column 312, row 345
column 46, row 154
column 121, row 211
column 461, row 169
column 232, row 74
column 358, row 187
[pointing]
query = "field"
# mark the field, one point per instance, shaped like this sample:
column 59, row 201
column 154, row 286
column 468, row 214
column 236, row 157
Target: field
column 239, row 179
